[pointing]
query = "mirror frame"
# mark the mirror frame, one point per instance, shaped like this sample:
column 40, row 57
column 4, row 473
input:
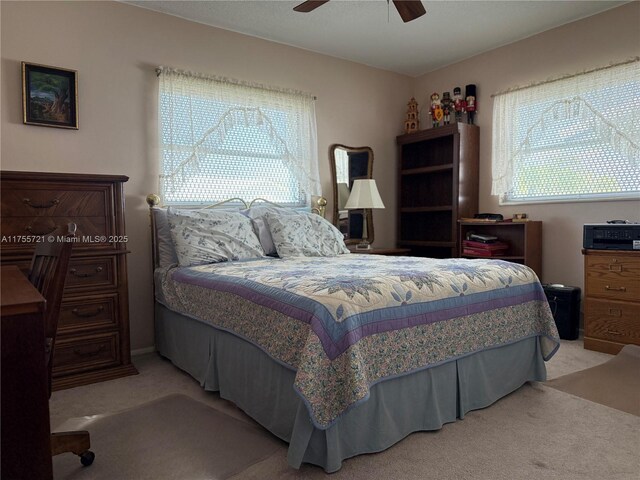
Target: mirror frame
column 334, row 176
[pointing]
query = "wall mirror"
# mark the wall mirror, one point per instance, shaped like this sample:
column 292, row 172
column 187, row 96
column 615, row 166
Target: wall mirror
column 349, row 164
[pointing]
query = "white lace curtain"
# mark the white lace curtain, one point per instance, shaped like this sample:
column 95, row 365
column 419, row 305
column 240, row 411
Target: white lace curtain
column 600, row 107
column 222, row 138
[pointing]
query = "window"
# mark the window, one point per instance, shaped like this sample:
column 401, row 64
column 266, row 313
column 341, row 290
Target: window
column 221, row 139
column 572, row 139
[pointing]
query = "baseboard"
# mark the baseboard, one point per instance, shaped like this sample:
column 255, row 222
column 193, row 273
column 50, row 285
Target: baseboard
column 142, row 351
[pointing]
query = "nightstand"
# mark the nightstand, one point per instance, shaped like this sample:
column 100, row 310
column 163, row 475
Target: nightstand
column 383, row 251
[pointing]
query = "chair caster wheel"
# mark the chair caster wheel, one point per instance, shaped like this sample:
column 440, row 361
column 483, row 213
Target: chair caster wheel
column 87, row 458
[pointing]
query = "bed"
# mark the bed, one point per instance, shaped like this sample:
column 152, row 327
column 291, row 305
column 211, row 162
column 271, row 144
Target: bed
column 348, row 354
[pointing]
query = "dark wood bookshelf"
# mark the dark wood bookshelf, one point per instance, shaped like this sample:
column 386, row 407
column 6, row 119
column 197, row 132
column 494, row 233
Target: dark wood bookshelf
column 432, row 192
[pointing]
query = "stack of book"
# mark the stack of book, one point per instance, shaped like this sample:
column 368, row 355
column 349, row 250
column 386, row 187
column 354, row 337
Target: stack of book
column 493, row 248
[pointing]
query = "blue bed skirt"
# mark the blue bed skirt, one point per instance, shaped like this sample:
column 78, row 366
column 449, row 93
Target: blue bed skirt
column 263, row 388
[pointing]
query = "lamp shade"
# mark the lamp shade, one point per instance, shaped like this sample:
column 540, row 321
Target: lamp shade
column 364, row 194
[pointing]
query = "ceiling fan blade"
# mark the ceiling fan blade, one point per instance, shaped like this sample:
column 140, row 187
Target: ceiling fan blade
column 309, row 5
column 409, row 9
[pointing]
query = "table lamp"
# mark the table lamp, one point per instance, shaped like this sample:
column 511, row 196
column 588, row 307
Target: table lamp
column 364, row 196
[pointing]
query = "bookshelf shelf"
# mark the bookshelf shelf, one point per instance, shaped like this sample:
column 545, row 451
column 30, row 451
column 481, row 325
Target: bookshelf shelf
column 443, row 208
column 418, row 171
column 524, row 239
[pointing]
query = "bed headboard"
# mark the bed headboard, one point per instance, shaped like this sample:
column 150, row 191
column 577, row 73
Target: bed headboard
column 318, row 206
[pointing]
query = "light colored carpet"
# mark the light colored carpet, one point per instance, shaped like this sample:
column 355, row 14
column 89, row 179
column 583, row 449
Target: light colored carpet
column 174, row 437
column 615, row 383
column 536, row 432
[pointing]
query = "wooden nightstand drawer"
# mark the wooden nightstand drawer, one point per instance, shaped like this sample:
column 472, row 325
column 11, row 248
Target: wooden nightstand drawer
column 89, row 273
column 86, row 353
column 82, row 314
column 610, row 320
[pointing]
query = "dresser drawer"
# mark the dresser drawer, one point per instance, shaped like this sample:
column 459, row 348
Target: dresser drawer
column 91, row 273
column 91, row 231
column 83, row 314
column 611, row 285
column 613, row 276
column 611, row 320
column 85, row 353
column 20, row 200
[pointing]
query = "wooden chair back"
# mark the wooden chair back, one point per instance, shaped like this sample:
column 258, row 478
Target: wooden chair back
column 48, row 272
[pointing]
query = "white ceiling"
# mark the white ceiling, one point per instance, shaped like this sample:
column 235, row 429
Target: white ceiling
column 371, row 32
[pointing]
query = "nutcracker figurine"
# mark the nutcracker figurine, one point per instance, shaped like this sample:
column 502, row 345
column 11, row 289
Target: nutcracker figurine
column 470, row 94
column 447, row 106
column 436, row 109
column 459, row 105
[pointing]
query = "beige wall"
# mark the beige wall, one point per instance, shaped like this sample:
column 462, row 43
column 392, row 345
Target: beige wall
column 595, row 41
column 115, row 48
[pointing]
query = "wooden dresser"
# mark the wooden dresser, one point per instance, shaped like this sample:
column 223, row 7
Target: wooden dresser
column 612, row 299
column 93, row 332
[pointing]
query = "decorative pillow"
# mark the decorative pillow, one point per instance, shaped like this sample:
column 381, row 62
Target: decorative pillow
column 256, row 214
column 305, row 235
column 166, row 251
column 207, row 236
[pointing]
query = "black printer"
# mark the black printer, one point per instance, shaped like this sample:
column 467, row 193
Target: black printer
column 611, row 236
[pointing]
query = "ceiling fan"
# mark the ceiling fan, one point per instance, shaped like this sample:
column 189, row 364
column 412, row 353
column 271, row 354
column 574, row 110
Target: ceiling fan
column 408, row 9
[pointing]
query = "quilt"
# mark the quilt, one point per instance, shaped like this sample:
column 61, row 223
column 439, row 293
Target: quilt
column 345, row 323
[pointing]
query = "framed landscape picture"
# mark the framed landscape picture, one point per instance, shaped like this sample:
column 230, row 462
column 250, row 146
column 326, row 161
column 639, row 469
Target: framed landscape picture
column 49, row 96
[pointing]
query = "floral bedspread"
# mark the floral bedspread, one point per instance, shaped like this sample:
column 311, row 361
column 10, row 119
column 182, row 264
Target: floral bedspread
column 345, row 323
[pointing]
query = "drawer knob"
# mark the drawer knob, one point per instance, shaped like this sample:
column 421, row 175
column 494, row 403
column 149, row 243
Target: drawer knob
column 91, row 353
column 40, row 232
column 49, row 204
column 615, row 267
column 615, row 312
column 97, row 311
column 75, row 273
column 615, row 289
column 614, row 332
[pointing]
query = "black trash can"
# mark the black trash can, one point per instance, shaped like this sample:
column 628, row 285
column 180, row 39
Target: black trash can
column 565, row 306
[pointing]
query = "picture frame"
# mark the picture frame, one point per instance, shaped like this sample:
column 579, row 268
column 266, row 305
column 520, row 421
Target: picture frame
column 49, row 96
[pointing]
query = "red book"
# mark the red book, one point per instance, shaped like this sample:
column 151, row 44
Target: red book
column 482, row 253
column 485, row 246
column 476, row 253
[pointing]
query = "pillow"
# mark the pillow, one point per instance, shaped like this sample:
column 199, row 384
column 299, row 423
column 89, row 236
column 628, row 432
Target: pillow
column 207, row 236
column 305, row 235
column 256, row 214
column 166, row 250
